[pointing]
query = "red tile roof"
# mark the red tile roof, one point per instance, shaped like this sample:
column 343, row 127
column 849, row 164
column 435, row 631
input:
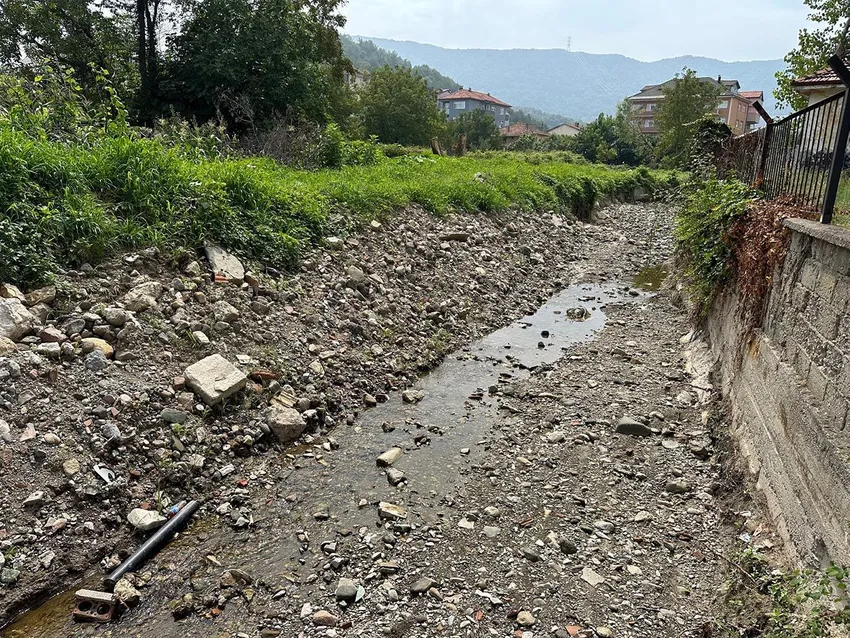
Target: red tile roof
column 464, row 94
column 752, row 95
column 520, row 128
column 824, row 76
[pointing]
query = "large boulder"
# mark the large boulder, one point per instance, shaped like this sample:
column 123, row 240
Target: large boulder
column 15, row 320
column 224, row 264
column 285, row 423
column 214, row 379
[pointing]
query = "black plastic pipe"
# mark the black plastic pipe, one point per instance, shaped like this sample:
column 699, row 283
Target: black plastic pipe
column 150, row 547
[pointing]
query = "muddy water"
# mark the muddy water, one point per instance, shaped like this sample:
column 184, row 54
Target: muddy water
column 441, row 436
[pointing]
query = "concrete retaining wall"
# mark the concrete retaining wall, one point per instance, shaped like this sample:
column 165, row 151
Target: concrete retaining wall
column 790, row 391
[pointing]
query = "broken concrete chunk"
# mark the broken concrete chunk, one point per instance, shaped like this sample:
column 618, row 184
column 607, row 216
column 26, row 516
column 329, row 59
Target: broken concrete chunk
column 391, row 512
column 591, row 577
column 15, row 320
column 214, row 379
column 224, row 264
column 390, row 456
column 285, row 423
column 145, row 520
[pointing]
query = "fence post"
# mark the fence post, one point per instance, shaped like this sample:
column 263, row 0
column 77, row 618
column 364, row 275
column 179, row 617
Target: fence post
column 838, row 154
column 765, row 146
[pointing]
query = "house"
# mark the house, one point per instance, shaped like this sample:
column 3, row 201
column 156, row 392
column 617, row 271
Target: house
column 454, row 103
column 820, row 85
column 732, row 107
column 570, row 130
column 515, row 131
column 753, row 117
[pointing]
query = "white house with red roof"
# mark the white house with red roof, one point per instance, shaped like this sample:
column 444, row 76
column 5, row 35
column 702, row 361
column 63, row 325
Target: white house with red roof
column 455, row 103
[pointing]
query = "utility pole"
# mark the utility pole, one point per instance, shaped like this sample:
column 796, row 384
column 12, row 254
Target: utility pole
column 569, row 43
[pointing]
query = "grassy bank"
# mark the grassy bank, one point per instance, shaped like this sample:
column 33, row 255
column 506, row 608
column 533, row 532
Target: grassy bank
column 64, row 204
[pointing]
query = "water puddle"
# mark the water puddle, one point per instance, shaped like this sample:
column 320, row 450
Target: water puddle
column 464, row 401
column 651, row 278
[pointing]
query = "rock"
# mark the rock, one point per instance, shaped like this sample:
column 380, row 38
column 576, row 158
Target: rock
column 455, row 236
column 346, row 590
column 6, row 346
column 286, row 423
column 591, row 577
column 15, row 320
column 355, row 274
column 324, row 618
column 604, row 526
column 492, row 512
column 526, row 619
column 5, row 431
column 224, row 264
column 214, row 379
column 126, row 593
column 9, row 576
column 642, row 516
column 52, row 439
column 49, row 350
column 412, row 396
column 223, row 311
column 10, row 291
column 390, row 456
column 531, row 554
column 90, row 344
column 556, row 437
column 567, row 546
column 394, row 476
column 71, row 467
column 335, row 243
column 391, row 512
column 143, row 296
column 422, row 585
column 115, row 317
column 145, row 520
column 169, row 415
column 630, row 426
column 491, row 531
column 46, row 295
column 604, row 632
column 96, row 361
column 678, row 486
column 201, row 338
column 34, row 499
column 375, row 225
column 52, row 334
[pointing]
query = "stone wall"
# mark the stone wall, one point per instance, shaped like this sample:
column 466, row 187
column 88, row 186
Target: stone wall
column 790, row 391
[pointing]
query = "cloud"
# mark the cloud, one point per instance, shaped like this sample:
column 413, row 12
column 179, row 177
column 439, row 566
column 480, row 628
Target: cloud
column 724, row 29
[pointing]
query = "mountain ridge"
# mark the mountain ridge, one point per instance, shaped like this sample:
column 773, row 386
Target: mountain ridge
column 583, row 84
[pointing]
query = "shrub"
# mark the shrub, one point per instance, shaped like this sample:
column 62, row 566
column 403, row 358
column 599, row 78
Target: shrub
column 703, row 229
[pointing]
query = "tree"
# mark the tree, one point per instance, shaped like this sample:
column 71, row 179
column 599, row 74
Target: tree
column 249, row 61
column 814, row 48
column 613, row 140
column 398, row 108
column 77, row 35
column 480, row 130
column 686, row 100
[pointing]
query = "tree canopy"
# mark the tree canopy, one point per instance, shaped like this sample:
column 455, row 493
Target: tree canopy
column 815, row 47
column 613, row 140
column 399, row 108
column 686, row 100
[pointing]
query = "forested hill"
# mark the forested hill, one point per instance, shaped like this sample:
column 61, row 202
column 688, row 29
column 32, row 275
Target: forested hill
column 582, row 84
column 366, row 56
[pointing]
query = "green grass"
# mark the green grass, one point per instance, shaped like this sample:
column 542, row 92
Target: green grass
column 64, row 204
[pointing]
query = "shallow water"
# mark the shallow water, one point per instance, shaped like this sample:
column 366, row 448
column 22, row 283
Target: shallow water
column 440, row 436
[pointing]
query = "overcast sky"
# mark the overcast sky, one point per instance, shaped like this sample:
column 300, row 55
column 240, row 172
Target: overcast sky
column 643, row 29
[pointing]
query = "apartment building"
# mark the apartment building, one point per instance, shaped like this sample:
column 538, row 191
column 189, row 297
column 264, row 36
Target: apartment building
column 733, row 108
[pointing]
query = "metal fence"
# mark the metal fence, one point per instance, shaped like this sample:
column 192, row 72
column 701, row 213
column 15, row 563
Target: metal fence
column 801, row 157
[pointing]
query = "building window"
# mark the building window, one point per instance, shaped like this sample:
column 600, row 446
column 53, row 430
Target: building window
column 637, row 107
column 648, row 123
column 724, row 104
column 650, row 107
column 459, row 106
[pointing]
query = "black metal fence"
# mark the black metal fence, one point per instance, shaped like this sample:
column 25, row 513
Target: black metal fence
column 801, row 157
